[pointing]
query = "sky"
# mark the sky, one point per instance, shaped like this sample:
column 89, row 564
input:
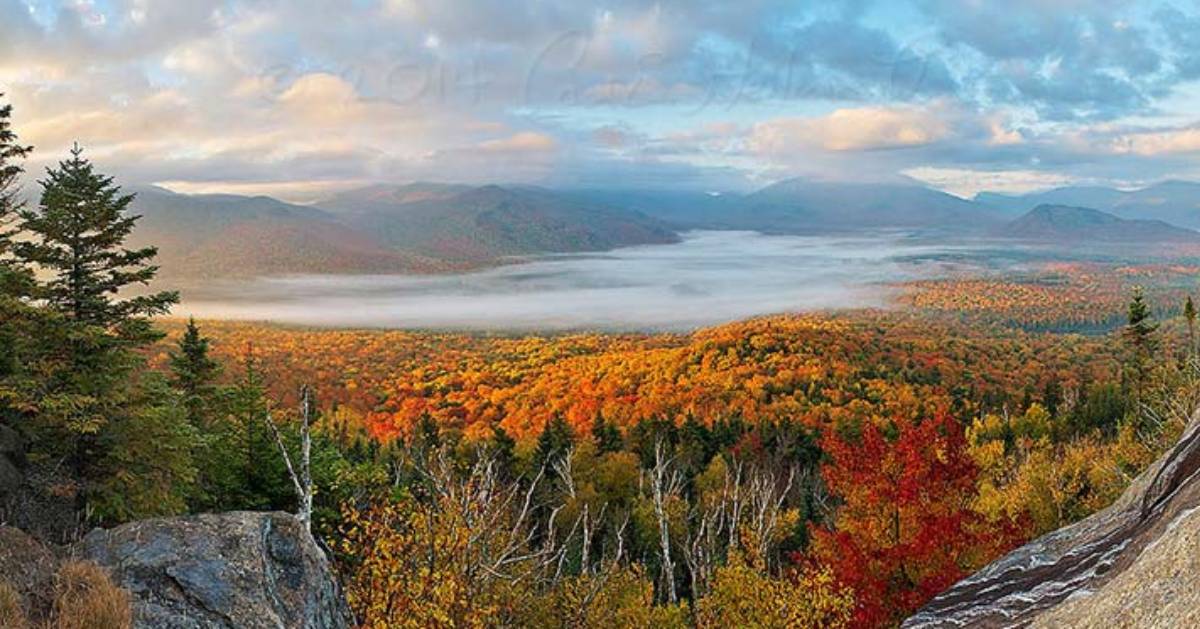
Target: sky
column 297, row 98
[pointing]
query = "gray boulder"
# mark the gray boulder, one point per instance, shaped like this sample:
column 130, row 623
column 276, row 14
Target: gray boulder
column 240, row 569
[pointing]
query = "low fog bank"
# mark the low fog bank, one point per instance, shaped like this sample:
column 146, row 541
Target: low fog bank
column 709, row 278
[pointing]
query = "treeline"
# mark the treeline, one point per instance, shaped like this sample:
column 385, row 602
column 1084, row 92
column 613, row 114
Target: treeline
column 1083, row 298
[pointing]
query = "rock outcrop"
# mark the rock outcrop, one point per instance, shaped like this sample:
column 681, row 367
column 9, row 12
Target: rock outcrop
column 1134, row 564
column 240, row 570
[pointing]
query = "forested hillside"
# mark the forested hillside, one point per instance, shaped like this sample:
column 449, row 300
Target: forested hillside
column 221, row 235
column 421, row 228
column 1175, row 202
column 480, row 224
column 1070, row 224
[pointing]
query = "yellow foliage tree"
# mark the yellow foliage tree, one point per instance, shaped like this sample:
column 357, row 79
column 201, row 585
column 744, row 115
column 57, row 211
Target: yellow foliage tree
column 742, row 595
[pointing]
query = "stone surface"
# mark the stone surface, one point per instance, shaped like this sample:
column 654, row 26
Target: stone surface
column 240, row 569
column 1134, row 564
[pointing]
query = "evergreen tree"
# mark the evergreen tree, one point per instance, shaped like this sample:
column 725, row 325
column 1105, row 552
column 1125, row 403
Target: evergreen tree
column 646, row 434
column 1101, row 409
column 263, row 482
column 1140, row 336
column 695, row 446
column 76, row 239
column 606, row 435
column 1140, row 329
column 556, row 438
column 727, row 432
column 15, row 280
column 194, row 374
column 13, row 277
column 504, row 449
column 1189, row 313
column 1052, row 396
column 79, row 231
column 147, row 467
column 426, row 437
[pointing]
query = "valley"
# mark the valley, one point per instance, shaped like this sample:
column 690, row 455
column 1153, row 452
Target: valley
column 407, row 314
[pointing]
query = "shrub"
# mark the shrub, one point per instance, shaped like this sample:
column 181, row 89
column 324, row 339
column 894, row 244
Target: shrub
column 12, row 612
column 85, row 598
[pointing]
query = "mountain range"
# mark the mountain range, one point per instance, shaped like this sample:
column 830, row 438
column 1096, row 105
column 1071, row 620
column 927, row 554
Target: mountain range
column 228, row 236
column 1175, row 202
column 433, row 227
column 476, row 225
column 420, row 228
column 1069, row 224
column 801, row 206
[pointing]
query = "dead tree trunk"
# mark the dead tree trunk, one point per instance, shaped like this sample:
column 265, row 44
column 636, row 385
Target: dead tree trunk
column 664, row 484
column 302, row 481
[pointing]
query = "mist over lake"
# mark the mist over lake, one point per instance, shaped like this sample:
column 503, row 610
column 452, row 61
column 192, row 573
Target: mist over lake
column 711, row 277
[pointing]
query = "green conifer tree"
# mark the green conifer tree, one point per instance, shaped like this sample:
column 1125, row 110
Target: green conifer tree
column 1140, row 335
column 504, row 447
column 79, row 230
column 606, row 435
column 262, row 482
column 556, row 438
column 148, row 465
column 1189, row 314
column 1140, row 329
column 194, row 374
column 14, row 279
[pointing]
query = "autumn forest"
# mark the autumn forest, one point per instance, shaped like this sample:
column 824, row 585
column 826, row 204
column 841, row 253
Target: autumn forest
column 831, row 468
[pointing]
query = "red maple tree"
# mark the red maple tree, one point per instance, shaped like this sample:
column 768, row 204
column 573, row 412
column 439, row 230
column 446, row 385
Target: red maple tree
column 904, row 530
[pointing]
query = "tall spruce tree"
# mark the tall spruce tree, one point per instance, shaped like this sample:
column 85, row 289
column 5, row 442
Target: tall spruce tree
column 1140, row 328
column 79, row 231
column 90, row 405
column 1140, row 335
column 248, row 472
column 15, row 280
column 1189, row 314
column 12, row 152
column 194, row 374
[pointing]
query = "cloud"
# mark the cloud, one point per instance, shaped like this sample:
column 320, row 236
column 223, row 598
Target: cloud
column 967, row 182
column 323, row 98
column 1068, row 59
column 301, row 94
column 865, row 128
column 1158, row 142
column 524, row 142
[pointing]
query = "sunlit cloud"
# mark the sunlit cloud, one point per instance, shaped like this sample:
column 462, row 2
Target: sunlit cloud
column 705, row 95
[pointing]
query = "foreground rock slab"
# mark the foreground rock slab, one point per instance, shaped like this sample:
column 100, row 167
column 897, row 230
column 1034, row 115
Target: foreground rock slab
column 240, row 569
column 1134, row 564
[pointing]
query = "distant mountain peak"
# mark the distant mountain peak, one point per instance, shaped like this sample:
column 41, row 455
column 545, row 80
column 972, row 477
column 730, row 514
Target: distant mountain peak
column 1066, row 223
column 1174, row 201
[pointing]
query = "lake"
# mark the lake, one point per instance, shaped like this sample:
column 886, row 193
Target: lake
column 710, row 277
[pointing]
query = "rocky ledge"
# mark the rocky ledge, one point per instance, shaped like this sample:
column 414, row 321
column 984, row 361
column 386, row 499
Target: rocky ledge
column 227, row 570
column 1134, row 564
